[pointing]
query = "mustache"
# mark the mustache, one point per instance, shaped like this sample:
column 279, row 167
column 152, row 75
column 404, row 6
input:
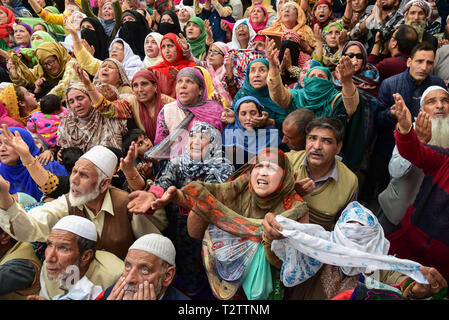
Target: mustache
column 130, row 287
column 317, row 152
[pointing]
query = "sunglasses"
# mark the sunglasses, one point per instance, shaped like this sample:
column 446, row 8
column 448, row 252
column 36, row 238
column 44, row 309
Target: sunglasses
column 352, row 55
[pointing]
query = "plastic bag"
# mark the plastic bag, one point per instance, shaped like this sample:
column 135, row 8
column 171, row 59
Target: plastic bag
column 257, row 282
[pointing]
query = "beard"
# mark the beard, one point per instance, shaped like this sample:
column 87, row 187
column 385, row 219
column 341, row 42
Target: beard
column 79, row 201
column 131, row 289
column 387, row 7
column 440, row 132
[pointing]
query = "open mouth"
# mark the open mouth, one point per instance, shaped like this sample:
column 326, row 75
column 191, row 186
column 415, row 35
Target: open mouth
column 261, row 182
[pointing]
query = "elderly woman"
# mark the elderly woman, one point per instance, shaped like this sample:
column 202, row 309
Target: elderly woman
column 22, row 36
column 255, row 85
column 55, row 66
column 191, row 105
column 237, row 207
column 16, row 159
column 292, row 17
column 265, row 3
column 329, row 44
column 304, row 69
column 197, row 37
column 201, row 161
column 172, row 51
column 244, row 138
column 152, row 52
column 258, row 18
column 242, row 35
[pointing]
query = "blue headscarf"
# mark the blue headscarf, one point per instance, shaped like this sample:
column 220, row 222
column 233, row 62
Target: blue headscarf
column 18, row 175
column 274, row 111
column 250, row 141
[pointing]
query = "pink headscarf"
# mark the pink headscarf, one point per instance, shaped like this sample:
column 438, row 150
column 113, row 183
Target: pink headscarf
column 219, row 74
column 261, row 26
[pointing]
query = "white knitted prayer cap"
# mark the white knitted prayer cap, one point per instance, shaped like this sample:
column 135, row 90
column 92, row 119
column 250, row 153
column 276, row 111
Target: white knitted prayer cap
column 429, row 90
column 103, row 158
column 156, row 244
column 77, row 225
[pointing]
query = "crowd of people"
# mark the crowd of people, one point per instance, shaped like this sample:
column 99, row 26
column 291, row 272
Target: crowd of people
column 224, row 149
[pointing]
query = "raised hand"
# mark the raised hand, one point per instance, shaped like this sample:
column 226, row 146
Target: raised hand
column 318, row 33
column 183, row 42
column 82, row 74
column 127, row 164
column 346, row 69
column 172, row 194
column 38, row 85
column 342, row 38
column 14, row 141
column 228, row 116
column 304, row 186
column 400, row 111
column 423, row 126
column 173, row 72
column 45, row 157
column 271, row 52
column 140, row 201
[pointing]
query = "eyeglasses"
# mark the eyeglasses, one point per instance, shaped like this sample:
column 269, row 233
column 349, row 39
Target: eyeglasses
column 49, row 63
column 215, row 53
column 352, row 55
column 116, row 48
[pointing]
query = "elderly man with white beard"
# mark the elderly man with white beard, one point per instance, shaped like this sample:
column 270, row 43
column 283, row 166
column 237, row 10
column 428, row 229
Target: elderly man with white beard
column 432, row 128
column 91, row 196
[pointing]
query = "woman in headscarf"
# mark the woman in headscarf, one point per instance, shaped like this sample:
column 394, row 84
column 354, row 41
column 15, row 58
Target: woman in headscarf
column 191, row 105
column 7, row 20
column 17, row 8
column 169, row 23
column 291, row 17
column 22, row 36
column 133, row 31
column 265, row 3
column 322, row 14
column 290, row 67
column 329, row 44
column 201, row 161
column 243, row 139
column 19, row 103
column 113, row 73
column 304, row 69
column 173, row 61
column 184, row 14
column 258, row 18
column 255, row 85
column 93, row 32
column 55, row 65
column 237, row 207
column 242, row 35
column 109, row 15
column 152, row 49
column 196, row 37
column 14, row 163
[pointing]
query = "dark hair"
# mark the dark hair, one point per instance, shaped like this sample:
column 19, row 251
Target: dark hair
column 130, row 136
column 300, row 117
column 19, row 93
column 327, row 122
column 407, row 38
column 50, row 103
column 69, row 156
column 423, row 46
column 253, row 102
column 86, row 244
column 118, row 153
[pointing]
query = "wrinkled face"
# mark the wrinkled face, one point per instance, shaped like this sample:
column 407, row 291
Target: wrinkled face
column 108, row 73
column 79, row 103
column 322, row 12
column 415, row 16
column 60, row 253
column 51, row 65
column 187, row 90
column 144, row 89
column 143, row 144
column 117, row 51
column 318, row 73
column 183, row 15
column 421, row 65
column 215, row 57
column 332, row 37
column 242, row 33
column 258, row 73
column 358, row 5
column 169, row 50
column 289, row 14
column 257, row 16
column 167, row 18
column 108, row 12
column 198, row 145
column 151, row 47
column 321, row 147
column 193, row 30
column 8, row 155
column 3, row 17
column 83, row 182
column 87, row 25
column 356, row 56
column 265, row 178
column 21, row 35
column 292, row 138
column 142, row 266
column 247, row 112
column 436, row 104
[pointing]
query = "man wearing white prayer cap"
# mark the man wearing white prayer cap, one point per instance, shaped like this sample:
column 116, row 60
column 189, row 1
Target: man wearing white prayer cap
column 73, row 269
column 156, row 255
column 91, row 196
column 406, row 178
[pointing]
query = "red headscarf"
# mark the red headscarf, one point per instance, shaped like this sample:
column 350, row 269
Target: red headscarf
column 315, row 20
column 11, row 19
column 179, row 63
column 149, row 123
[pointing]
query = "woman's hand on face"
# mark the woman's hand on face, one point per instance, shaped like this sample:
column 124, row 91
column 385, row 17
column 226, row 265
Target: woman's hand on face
column 14, row 141
column 261, row 121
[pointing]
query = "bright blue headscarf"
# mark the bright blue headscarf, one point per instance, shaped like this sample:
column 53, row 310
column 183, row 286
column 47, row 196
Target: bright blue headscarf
column 18, row 175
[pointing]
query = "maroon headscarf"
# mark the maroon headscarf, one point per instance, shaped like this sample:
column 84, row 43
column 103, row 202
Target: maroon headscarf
column 148, row 122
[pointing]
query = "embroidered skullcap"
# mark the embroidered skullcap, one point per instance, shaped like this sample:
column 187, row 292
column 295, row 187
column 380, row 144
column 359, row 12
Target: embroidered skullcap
column 103, row 158
column 77, row 225
column 156, row 244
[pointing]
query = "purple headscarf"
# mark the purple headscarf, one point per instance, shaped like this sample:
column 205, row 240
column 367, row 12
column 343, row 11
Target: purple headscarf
column 30, row 31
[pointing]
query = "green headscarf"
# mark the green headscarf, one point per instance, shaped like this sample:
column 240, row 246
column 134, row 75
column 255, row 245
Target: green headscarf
column 198, row 45
column 46, row 37
column 317, row 94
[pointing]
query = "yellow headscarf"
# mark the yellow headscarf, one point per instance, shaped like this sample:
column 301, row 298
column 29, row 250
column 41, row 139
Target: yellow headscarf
column 304, row 31
column 209, row 86
column 45, row 50
column 8, row 97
